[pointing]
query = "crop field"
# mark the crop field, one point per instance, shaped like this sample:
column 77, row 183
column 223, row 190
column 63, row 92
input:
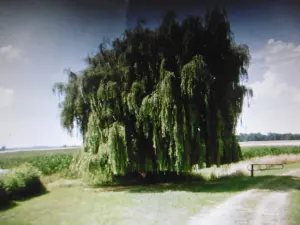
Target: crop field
column 251, row 152
column 47, row 161
column 51, row 161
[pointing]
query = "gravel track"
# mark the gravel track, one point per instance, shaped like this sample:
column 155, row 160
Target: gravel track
column 266, row 208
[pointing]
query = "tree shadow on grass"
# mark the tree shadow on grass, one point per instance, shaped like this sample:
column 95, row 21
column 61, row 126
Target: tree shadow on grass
column 16, row 202
column 31, row 196
column 8, row 206
column 226, row 184
column 24, row 195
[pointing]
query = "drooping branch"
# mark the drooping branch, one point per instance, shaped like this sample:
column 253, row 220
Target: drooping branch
column 163, row 99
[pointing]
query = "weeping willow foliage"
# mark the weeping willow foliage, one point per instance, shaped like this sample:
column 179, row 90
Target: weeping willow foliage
column 160, row 100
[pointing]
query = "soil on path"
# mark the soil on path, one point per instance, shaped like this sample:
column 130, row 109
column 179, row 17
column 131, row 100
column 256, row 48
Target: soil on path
column 253, row 207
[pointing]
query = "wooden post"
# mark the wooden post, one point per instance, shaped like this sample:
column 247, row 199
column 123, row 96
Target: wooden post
column 252, row 171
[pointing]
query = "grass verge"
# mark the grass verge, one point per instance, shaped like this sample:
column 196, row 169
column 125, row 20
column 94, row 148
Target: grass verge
column 294, row 208
column 79, row 206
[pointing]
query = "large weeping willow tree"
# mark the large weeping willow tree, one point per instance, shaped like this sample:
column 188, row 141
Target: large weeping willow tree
column 160, row 100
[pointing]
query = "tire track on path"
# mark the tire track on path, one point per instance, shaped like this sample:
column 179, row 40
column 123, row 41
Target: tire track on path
column 269, row 208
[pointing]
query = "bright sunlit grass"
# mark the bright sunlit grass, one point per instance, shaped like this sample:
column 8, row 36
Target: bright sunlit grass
column 294, row 208
column 87, row 206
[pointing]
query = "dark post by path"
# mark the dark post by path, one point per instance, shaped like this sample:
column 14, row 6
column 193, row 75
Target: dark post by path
column 266, row 167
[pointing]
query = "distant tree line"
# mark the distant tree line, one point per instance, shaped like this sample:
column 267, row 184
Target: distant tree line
column 267, row 137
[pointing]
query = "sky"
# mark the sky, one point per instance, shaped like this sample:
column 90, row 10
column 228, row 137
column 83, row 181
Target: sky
column 39, row 39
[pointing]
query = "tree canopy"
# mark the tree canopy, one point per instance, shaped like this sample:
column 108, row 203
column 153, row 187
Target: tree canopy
column 162, row 99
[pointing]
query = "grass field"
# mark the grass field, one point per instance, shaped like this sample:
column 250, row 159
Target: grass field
column 294, row 208
column 151, row 204
column 74, row 203
column 75, row 206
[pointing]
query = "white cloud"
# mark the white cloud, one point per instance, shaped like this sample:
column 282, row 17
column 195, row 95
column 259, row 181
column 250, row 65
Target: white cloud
column 9, row 53
column 276, row 103
column 6, row 97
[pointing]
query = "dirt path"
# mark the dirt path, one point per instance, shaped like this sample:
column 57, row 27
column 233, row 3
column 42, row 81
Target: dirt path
column 253, row 207
column 271, row 209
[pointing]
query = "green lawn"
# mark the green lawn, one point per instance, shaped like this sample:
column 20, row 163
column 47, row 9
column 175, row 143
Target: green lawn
column 150, row 204
column 294, row 208
column 87, row 206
